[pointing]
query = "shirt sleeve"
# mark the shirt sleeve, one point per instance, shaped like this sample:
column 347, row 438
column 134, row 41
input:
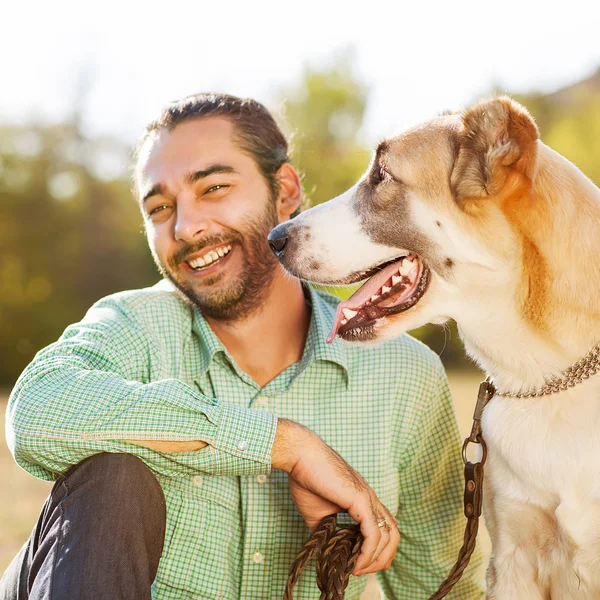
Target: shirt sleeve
column 430, row 516
column 91, row 390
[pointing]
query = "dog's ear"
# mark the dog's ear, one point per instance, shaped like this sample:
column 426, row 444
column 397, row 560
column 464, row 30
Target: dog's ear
column 498, row 137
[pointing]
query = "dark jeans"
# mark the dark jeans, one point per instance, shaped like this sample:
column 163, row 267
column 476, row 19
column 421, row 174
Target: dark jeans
column 99, row 537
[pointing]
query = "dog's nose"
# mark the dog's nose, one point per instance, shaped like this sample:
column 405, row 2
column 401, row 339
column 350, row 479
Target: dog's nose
column 278, row 239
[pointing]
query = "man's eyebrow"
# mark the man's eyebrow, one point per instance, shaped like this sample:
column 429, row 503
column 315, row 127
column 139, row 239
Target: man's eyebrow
column 158, row 189
column 155, row 190
column 197, row 175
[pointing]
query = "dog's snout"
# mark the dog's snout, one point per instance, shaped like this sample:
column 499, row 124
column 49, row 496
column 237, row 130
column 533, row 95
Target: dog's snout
column 278, row 239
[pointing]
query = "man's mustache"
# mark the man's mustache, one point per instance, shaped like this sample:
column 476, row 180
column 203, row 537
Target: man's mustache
column 182, row 253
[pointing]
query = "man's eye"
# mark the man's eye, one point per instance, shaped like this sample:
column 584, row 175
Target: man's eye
column 158, row 209
column 214, row 188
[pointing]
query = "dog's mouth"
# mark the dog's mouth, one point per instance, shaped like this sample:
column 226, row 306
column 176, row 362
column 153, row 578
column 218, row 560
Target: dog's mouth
column 393, row 287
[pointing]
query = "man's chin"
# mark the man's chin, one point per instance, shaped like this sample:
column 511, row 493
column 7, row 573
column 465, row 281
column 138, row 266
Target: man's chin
column 222, row 305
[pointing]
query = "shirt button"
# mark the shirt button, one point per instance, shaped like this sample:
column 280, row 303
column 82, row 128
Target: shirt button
column 242, row 445
column 261, row 400
column 258, row 558
column 261, row 479
column 197, row 480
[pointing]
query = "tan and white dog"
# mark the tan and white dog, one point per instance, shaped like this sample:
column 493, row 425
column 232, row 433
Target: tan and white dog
column 471, row 217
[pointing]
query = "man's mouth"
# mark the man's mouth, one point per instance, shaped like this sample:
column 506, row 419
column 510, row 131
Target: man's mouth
column 393, row 287
column 210, row 258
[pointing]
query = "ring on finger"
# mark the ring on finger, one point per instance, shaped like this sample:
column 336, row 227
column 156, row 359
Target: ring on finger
column 383, row 523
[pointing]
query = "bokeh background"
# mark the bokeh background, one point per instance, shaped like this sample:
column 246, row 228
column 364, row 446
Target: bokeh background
column 79, row 81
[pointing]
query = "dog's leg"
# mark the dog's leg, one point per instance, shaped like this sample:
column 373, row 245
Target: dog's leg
column 576, row 573
column 513, row 576
column 518, row 533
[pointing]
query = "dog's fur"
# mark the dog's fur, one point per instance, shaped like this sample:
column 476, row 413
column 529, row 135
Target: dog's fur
column 511, row 232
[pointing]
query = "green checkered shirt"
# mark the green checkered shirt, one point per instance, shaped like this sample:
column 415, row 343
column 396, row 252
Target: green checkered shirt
column 144, row 365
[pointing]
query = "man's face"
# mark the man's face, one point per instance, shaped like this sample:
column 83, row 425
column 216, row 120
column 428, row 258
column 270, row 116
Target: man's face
column 208, row 211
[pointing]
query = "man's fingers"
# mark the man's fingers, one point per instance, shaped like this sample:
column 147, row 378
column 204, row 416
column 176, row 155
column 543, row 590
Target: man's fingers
column 364, row 515
column 384, row 561
column 385, row 550
column 385, row 538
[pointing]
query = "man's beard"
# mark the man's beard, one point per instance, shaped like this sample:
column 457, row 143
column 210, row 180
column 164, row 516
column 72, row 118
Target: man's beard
column 245, row 295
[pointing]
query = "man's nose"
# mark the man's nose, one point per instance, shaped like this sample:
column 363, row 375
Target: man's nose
column 191, row 222
column 278, row 238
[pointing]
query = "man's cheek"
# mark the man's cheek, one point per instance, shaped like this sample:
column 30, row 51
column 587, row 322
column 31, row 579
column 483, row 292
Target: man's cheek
column 155, row 242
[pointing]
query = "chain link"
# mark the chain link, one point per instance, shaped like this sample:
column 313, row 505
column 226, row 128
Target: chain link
column 578, row 372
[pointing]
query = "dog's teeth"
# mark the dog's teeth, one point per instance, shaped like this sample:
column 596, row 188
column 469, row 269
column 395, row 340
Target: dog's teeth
column 385, row 289
column 343, row 321
column 396, row 280
column 375, row 297
column 406, row 267
column 349, row 313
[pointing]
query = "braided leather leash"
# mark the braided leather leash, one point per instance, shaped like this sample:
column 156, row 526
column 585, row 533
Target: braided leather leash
column 336, row 550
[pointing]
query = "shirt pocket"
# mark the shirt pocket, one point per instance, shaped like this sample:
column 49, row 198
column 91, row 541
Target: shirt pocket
column 202, row 548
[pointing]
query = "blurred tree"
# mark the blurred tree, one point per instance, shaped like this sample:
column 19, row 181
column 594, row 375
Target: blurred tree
column 569, row 122
column 70, row 233
column 323, row 114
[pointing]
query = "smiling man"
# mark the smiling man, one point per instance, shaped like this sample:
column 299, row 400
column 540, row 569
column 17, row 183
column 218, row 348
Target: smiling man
column 156, row 415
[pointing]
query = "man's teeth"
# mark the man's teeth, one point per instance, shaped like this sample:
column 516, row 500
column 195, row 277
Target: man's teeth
column 210, row 257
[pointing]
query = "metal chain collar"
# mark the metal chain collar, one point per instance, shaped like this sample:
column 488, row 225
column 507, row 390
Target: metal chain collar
column 578, row 372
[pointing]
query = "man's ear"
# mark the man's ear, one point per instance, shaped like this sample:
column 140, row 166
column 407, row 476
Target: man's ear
column 498, row 137
column 290, row 192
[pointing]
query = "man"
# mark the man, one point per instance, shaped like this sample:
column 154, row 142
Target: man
column 188, row 377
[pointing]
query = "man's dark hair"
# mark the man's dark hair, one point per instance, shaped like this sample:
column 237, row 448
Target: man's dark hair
column 256, row 132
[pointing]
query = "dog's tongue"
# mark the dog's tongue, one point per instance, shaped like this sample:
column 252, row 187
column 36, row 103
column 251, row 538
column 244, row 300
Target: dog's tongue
column 364, row 293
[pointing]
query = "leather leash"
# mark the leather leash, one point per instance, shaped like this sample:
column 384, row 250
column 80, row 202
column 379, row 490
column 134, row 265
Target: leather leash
column 336, row 550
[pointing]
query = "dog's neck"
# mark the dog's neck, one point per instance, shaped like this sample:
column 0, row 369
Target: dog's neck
column 555, row 318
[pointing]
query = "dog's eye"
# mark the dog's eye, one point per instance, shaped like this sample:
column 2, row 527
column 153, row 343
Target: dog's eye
column 380, row 175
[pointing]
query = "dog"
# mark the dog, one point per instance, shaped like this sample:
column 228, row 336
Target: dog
column 470, row 217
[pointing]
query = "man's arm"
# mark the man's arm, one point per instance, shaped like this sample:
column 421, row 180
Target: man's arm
column 430, row 513
column 91, row 392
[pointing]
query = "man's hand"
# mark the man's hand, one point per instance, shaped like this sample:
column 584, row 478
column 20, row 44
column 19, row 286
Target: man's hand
column 322, row 483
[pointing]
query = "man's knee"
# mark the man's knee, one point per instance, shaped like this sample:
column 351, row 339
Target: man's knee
column 120, row 484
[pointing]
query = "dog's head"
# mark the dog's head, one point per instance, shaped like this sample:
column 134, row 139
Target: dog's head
column 425, row 225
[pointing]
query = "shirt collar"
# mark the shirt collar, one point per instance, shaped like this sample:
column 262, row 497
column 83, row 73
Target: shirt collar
column 316, row 348
column 323, row 313
column 210, row 344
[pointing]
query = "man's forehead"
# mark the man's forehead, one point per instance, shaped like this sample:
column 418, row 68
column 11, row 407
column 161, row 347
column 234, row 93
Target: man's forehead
column 204, row 135
column 188, row 147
